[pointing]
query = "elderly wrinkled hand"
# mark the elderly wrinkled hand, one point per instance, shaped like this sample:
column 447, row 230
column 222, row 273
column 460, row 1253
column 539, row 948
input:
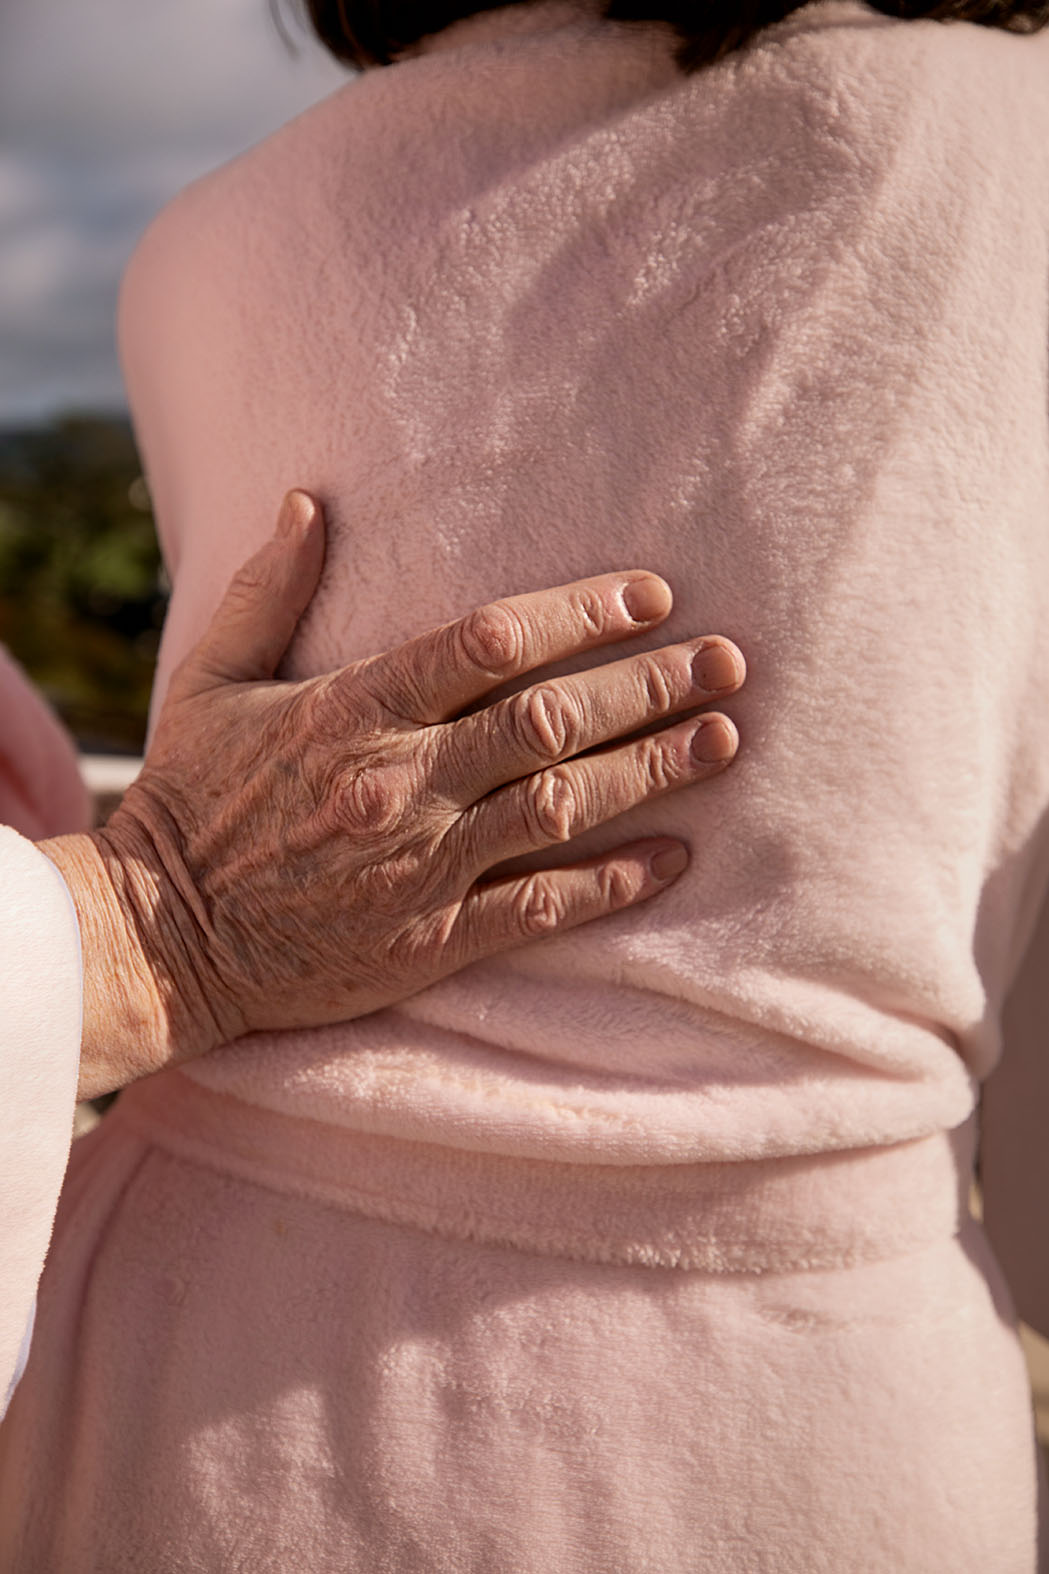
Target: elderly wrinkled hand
column 301, row 853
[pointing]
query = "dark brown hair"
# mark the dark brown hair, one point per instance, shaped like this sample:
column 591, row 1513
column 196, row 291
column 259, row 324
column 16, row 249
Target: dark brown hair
column 374, row 32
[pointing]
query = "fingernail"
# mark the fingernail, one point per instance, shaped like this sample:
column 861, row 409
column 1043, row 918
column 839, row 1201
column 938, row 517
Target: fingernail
column 646, row 599
column 296, row 513
column 714, row 740
column 715, row 668
column 668, row 862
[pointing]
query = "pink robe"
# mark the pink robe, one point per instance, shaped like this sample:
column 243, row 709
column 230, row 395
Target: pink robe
column 646, row 1247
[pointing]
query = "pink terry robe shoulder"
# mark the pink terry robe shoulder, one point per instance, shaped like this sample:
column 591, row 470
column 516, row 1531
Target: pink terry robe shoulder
column 646, row 1247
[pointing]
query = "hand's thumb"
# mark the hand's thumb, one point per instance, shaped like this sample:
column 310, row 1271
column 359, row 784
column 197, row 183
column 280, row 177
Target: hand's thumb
column 257, row 616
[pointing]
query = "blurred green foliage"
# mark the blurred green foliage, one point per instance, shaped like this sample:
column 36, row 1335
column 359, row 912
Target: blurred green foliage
column 81, row 592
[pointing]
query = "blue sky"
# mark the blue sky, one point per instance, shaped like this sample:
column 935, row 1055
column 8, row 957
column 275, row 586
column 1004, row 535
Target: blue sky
column 107, row 108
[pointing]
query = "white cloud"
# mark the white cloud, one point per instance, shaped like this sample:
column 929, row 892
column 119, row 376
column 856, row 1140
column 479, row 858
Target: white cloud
column 107, row 108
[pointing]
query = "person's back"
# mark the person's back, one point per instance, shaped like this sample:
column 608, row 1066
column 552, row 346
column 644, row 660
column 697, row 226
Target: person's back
column 521, row 310
column 527, row 307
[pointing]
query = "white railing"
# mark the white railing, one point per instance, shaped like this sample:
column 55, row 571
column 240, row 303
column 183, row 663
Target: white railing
column 107, row 776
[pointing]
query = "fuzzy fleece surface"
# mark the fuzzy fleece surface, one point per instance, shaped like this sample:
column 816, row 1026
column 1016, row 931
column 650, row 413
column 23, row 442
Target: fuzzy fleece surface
column 533, row 306
column 418, row 1292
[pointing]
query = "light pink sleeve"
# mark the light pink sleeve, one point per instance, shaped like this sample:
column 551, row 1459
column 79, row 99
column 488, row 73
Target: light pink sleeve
column 41, row 790
column 1014, row 1136
column 40, row 1025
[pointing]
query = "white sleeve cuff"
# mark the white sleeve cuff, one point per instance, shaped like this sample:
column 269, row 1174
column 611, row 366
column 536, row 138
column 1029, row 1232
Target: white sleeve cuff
column 41, row 1005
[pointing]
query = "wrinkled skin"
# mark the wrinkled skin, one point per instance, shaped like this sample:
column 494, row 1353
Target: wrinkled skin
column 301, row 853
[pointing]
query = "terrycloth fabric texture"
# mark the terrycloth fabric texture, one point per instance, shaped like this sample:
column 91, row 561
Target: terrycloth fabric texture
column 234, row 1378
column 534, row 306
column 530, row 306
column 754, row 1216
column 40, row 1005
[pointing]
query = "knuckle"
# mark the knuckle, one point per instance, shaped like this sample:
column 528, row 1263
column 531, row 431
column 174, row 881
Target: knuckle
column 657, row 687
column 590, row 611
column 659, row 765
column 373, row 799
column 492, row 637
column 618, row 885
column 550, row 806
column 540, row 908
column 544, row 722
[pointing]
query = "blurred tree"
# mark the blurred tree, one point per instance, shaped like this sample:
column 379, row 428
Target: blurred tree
column 81, row 594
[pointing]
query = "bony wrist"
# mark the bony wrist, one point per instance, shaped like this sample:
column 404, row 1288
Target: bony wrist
column 169, row 922
column 143, row 1007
